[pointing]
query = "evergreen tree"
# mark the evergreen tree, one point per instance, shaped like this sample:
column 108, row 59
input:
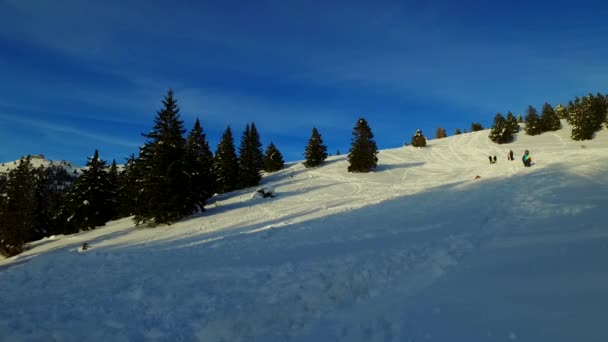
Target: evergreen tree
column 561, row 111
column 200, row 161
column 512, row 124
column 500, row 132
column 273, row 159
column 457, row 131
column 251, row 158
column 91, row 200
column 129, row 187
column 520, row 119
column 362, row 155
column 586, row 116
column 476, row 126
column 549, row 119
column 533, row 124
column 165, row 182
column 418, row 140
column 440, row 133
column 17, row 219
column 316, row 151
column 226, row 163
column 114, row 188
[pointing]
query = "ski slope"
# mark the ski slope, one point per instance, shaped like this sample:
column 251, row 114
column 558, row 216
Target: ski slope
column 419, row 250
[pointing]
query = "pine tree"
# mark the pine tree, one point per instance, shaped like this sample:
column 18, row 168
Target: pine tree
column 418, row 140
column 512, row 124
column 91, row 200
column 533, row 124
column 165, row 182
column 362, row 155
column 200, row 162
column 316, row 151
column 251, row 158
column 114, row 188
column 440, row 133
column 520, row 119
column 457, row 131
column 273, row 159
column 587, row 115
column 17, row 219
column 549, row 119
column 500, row 132
column 129, row 187
column 226, row 163
column 476, row 126
column 561, row 111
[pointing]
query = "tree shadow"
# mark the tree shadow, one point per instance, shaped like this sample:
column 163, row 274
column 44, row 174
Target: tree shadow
column 386, row 167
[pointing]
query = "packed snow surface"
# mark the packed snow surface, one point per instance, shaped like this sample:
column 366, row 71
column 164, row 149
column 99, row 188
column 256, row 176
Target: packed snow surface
column 421, row 249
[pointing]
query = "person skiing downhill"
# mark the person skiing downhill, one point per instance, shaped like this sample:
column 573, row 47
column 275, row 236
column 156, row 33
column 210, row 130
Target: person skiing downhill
column 526, row 159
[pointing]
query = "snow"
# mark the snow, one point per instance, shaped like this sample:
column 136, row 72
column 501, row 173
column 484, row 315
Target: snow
column 418, row 250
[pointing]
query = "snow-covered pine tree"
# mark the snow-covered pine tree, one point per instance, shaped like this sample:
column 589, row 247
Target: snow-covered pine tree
column 226, row 163
column 362, row 156
column 165, row 182
column 316, row 151
column 549, row 119
column 512, row 124
column 17, row 219
column 440, row 133
column 200, row 162
column 251, row 158
column 273, row 159
column 91, row 200
column 418, row 139
column 500, row 132
column 533, row 124
column 587, row 115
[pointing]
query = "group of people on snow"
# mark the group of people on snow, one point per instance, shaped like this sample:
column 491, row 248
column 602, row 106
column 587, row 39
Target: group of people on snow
column 526, row 159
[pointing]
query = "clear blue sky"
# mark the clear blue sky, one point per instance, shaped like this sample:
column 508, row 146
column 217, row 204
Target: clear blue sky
column 79, row 75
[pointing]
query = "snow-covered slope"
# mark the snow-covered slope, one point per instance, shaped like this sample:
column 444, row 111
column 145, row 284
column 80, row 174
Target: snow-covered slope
column 417, row 250
column 37, row 161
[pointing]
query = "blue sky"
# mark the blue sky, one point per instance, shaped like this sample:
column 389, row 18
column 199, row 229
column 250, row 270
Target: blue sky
column 76, row 76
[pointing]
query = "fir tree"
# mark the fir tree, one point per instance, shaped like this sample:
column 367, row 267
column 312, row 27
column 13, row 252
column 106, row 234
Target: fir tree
column 165, row 183
column 226, row 163
column 500, row 132
column 91, row 200
column 440, row 133
column 512, row 124
column 587, row 115
column 362, row 155
column 273, row 159
column 200, row 161
column 17, row 219
column 129, row 187
column 561, row 111
column 316, row 151
column 549, row 119
column 251, row 158
column 457, row 131
column 533, row 124
column 476, row 126
column 418, row 140
column 520, row 119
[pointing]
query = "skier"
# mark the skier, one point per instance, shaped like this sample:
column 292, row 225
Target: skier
column 526, row 159
column 510, row 155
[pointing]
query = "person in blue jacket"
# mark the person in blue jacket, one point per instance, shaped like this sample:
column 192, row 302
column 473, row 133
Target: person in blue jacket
column 526, row 159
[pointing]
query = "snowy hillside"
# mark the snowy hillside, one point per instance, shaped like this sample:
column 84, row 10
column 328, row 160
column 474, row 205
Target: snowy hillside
column 37, row 161
column 419, row 250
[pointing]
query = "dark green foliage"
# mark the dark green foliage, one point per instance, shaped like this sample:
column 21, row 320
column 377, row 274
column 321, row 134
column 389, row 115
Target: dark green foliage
column 17, row 218
column 440, row 133
column 476, row 126
column 200, row 163
column 316, row 151
column 165, row 183
column 129, row 187
column 457, row 131
column 520, row 119
column 273, row 159
column 362, row 155
column 91, row 200
column 500, row 132
column 251, row 158
column 512, row 124
column 418, row 140
column 561, row 111
column 587, row 115
column 533, row 124
column 549, row 119
column 226, row 163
